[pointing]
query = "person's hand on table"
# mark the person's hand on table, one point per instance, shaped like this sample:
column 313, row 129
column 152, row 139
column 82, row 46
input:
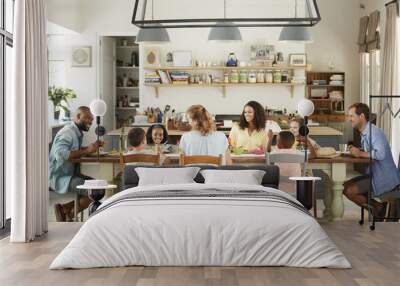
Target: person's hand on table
column 354, row 151
column 91, row 148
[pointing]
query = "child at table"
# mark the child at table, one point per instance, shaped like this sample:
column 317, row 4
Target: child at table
column 138, row 143
column 285, row 141
column 156, row 137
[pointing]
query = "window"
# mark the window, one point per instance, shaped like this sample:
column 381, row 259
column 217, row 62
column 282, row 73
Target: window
column 370, row 75
column 6, row 64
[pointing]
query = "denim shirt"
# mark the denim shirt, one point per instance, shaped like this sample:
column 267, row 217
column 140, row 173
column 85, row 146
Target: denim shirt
column 68, row 139
column 385, row 175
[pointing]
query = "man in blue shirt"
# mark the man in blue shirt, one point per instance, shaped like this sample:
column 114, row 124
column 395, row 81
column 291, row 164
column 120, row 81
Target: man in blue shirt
column 385, row 175
column 65, row 176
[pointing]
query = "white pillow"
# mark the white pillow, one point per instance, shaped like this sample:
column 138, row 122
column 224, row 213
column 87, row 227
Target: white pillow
column 166, row 176
column 247, row 177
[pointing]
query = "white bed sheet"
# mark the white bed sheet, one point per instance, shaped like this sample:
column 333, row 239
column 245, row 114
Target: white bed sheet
column 200, row 232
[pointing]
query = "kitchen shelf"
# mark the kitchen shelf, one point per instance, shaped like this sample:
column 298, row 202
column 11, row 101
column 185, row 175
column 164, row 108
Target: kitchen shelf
column 128, row 87
column 170, row 68
column 128, row 47
column 128, row 68
column 327, row 107
column 125, row 108
column 223, row 86
column 327, row 85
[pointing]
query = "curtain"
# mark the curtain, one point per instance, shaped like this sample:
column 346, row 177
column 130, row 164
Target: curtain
column 362, row 34
column 27, row 127
column 389, row 70
column 373, row 38
column 396, row 86
column 364, row 78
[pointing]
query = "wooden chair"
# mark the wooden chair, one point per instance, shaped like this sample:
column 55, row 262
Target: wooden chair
column 295, row 159
column 138, row 158
column 199, row 160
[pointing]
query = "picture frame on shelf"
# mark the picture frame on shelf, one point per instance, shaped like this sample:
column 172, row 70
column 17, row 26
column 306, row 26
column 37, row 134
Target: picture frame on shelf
column 261, row 53
column 81, row 56
column 152, row 56
column 182, row 59
column 298, row 60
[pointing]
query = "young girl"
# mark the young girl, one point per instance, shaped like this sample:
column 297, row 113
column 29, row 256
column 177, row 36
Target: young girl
column 295, row 125
column 157, row 135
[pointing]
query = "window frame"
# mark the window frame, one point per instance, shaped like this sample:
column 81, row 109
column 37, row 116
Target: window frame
column 6, row 39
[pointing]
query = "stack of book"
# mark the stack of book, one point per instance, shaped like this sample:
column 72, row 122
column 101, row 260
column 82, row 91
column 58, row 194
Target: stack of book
column 152, row 78
column 164, row 76
column 180, row 77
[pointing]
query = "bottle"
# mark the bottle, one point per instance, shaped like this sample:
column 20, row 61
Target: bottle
column 134, row 59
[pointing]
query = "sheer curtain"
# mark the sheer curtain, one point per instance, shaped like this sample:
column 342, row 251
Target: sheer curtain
column 396, row 102
column 389, row 69
column 27, row 127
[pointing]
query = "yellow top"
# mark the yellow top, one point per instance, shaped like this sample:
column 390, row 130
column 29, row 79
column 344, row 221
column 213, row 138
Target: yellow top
column 248, row 142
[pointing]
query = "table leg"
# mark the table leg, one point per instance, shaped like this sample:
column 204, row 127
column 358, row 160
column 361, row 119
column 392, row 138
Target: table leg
column 328, row 197
column 338, row 178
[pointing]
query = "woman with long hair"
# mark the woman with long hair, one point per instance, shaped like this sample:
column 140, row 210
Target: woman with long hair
column 203, row 139
column 250, row 134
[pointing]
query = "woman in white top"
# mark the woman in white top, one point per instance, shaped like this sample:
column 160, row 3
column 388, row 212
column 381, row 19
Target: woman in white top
column 204, row 139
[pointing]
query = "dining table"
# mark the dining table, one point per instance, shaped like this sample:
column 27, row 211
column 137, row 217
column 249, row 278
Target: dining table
column 335, row 167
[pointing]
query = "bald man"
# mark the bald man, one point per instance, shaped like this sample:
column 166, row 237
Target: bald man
column 65, row 176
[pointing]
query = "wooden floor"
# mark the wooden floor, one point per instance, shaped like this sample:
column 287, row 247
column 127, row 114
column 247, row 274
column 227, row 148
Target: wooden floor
column 375, row 257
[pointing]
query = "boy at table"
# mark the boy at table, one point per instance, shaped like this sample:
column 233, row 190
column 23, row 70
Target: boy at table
column 385, row 176
column 285, row 141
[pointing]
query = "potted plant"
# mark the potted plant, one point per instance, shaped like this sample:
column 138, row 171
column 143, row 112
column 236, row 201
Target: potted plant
column 59, row 97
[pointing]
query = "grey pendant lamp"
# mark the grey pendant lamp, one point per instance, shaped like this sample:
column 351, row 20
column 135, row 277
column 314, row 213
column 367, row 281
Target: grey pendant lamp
column 152, row 35
column 293, row 34
column 226, row 32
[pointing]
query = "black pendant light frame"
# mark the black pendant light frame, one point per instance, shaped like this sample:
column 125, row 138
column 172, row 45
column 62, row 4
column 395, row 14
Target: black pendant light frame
column 237, row 22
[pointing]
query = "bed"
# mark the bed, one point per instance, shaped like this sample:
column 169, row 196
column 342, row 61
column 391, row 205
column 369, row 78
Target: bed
column 201, row 225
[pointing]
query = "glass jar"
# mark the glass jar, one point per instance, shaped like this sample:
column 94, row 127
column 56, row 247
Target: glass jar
column 285, row 76
column 260, row 76
column 234, row 76
column 269, row 77
column 252, row 77
column 226, row 78
column 243, row 76
column 277, row 76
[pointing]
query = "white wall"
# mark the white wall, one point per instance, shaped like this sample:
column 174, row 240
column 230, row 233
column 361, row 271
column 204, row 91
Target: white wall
column 83, row 80
column 66, row 13
column 334, row 40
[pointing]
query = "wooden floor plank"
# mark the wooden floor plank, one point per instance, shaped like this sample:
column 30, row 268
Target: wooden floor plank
column 375, row 257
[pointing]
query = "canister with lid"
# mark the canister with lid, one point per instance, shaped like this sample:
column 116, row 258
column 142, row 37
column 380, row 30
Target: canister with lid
column 234, row 76
column 260, row 76
column 243, row 76
column 252, row 77
column 277, row 76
